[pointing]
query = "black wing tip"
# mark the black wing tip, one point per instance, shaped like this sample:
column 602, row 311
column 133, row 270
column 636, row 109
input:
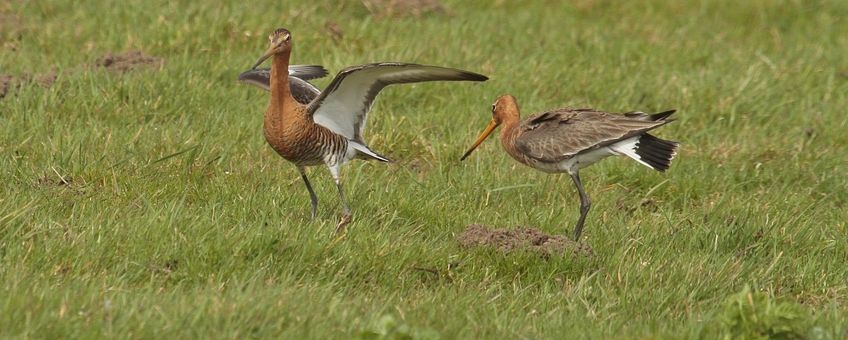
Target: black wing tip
column 663, row 115
column 254, row 73
column 657, row 153
column 474, row 76
column 246, row 75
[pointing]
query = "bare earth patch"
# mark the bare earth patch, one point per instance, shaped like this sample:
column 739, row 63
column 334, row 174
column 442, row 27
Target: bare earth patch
column 54, row 180
column 123, row 62
column 522, row 238
column 8, row 82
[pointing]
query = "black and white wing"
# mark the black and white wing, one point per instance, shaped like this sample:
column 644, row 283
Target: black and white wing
column 343, row 106
column 302, row 91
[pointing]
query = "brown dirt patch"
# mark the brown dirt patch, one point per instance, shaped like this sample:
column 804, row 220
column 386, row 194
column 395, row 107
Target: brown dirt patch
column 522, row 238
column 123, row 62
column 46, row 79
column 401, row 8
column 54, row 180
column 9, row 83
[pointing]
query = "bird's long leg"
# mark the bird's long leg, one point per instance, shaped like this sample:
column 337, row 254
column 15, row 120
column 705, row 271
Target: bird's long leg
column 346, row 216
column 585, row 204
column 312, row 196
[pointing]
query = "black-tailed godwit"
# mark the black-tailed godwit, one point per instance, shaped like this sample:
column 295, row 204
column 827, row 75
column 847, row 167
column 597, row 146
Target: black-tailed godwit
column 567, row 140
column 328, row 130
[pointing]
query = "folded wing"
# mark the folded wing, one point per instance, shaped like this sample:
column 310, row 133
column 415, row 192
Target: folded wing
column 343, row 106
column 558, row 135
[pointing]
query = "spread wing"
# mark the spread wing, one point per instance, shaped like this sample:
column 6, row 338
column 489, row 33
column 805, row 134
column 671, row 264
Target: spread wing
column 343, row 106
column 307, row 72
column 302, row 91
column 558, row 135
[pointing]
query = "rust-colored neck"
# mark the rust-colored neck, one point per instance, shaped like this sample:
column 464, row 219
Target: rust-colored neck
column 507, row 114
column 280, row 90
column 509, row 131
column 509, row 123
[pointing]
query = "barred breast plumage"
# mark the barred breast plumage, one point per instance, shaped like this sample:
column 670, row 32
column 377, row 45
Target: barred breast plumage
column 304, row 144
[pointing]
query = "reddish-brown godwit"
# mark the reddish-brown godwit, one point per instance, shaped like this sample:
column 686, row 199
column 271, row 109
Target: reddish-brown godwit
column 329, row 129
column 567, row 140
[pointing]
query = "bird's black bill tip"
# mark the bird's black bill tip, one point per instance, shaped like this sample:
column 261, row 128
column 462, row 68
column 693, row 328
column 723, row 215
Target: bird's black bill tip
column 464, row 156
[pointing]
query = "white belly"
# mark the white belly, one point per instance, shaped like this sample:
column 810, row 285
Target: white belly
column 575, row 163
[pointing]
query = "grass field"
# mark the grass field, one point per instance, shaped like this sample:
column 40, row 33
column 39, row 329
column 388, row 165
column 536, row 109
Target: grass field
column 147, row 203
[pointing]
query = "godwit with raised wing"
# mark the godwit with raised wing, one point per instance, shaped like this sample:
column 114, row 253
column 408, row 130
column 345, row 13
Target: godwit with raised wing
column 299, row 75
column 329, row 129
column 567, row 140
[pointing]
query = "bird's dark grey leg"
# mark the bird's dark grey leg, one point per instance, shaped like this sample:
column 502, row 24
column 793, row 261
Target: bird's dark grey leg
column 312, row 195
column 346, row 216
column 345, row 207
column 585, row 204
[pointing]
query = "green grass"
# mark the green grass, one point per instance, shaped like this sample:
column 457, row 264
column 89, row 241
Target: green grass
column 178, row 219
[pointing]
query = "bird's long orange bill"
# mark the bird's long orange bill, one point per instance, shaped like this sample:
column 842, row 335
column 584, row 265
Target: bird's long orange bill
column 261, row 59
column 488, row 131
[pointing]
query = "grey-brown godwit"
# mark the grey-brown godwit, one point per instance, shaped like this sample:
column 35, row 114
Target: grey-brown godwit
column 329, row 130
column 567, row 140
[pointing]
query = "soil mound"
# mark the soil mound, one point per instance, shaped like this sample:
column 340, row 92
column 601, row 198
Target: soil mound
column 8, row 82
column 522, row 238
column 123, row 62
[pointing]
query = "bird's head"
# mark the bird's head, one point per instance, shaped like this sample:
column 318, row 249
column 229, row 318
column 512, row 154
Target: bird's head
column 279, row 42
column 505, row 109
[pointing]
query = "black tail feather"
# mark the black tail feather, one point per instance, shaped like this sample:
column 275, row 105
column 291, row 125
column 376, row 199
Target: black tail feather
column 658, row 153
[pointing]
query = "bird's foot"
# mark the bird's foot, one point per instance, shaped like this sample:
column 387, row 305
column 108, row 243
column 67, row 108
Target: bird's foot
column 343, row 222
